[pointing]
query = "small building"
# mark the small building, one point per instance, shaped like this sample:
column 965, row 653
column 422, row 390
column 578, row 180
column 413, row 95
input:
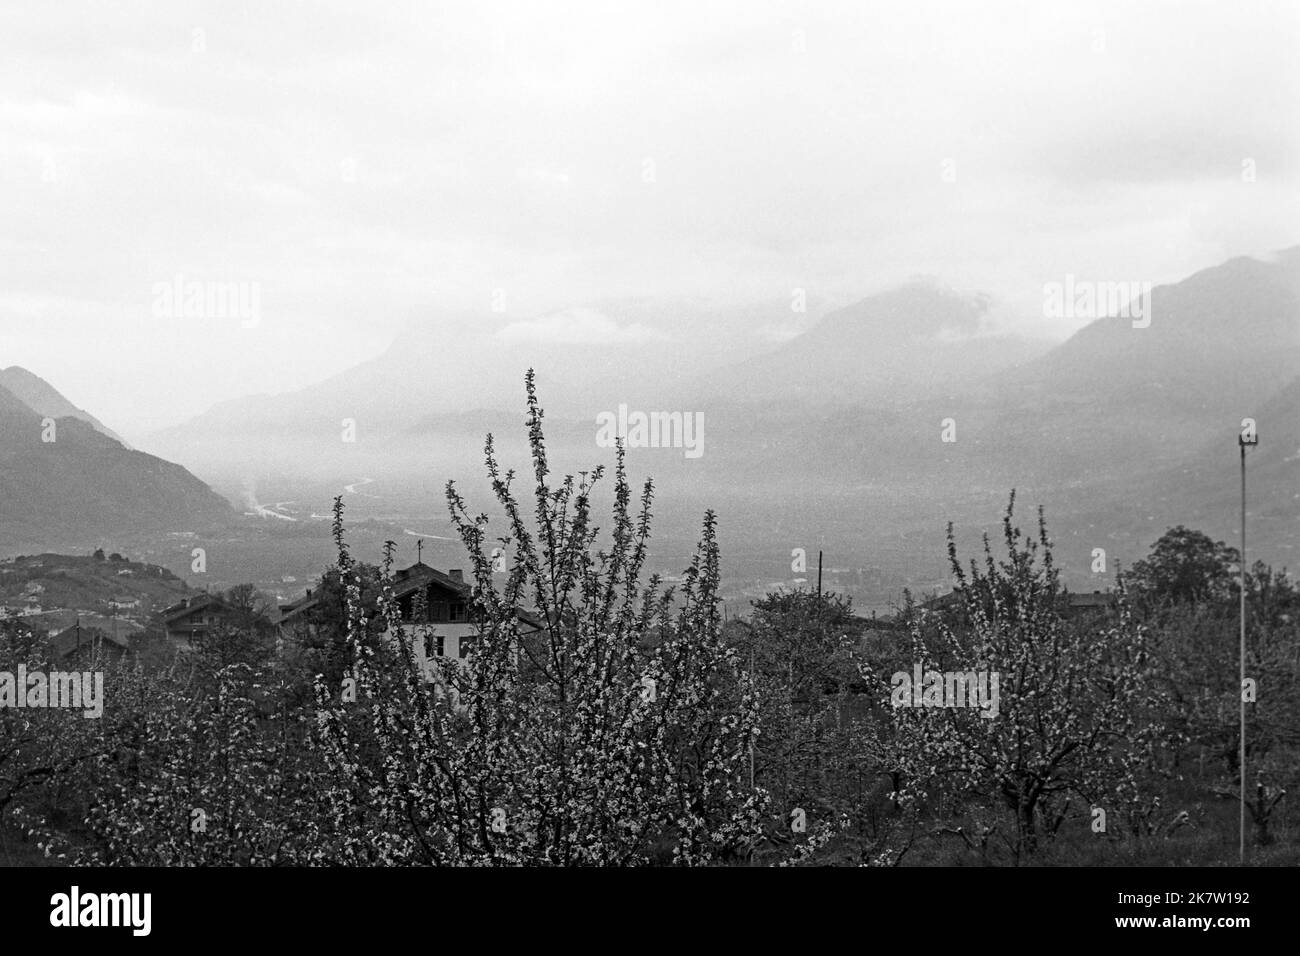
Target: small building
column 1094, row 603
column 196, row 617
column 448, row 626
column 86, row 646
column 442, row 629
column 297, row 613
column 1071, row 605
column 436, row 610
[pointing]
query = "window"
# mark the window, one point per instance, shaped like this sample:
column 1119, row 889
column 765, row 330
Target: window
column 458, row 611
column 467, row 645
column 435, row 645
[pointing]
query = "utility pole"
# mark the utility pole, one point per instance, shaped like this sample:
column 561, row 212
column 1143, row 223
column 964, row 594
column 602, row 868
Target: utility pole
column 752, row 642
column 1243, row 441
column 751, row 687
column 819, row 573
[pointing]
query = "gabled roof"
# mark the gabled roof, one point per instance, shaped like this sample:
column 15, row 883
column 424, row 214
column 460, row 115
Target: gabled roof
column 299, row 607
column 190, row 606
column 952, row 599
column 420, row 574
column 407, row 581
column 67, row 641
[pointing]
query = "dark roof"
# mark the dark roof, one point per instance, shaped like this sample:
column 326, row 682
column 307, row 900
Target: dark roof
column 419, row 574
column 299, row 607
column 952, row 598
column 1095, row 599
column 1082, row 600
column 407, row 581
column 67, row 640
column 189, row 606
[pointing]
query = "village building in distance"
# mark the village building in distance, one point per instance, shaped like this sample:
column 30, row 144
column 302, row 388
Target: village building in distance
column 196, row 616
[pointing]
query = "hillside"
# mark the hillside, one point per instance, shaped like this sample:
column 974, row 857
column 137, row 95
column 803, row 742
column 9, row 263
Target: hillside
column 44, row 399
column 85, row 485
column 916, row 341
column 52, row 591
column 1110, row 401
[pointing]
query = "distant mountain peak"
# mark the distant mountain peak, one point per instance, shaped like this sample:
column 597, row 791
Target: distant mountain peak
column 917, row 338
column 919, row 309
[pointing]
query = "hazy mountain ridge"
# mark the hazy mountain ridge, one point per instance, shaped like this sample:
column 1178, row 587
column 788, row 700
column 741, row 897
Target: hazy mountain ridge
column 84, row 484
column 842, row 425
column 38, row 395
column 1233, row 327
column 900, row 345
column 463, row 363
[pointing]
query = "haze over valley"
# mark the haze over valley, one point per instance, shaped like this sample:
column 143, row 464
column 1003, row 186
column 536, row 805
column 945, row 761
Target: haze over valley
column 832, row 440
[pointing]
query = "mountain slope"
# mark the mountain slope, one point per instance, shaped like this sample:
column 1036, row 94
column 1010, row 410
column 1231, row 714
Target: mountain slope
column 1114, row 398
column 1120, row 432
column 85, row 484
column 1233, row 327
column 914, row 341
column 40, row 396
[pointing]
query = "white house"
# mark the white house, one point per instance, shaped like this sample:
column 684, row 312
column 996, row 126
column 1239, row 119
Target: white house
column 442, row 632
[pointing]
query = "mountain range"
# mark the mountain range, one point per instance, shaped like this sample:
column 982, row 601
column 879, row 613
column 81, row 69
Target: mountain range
column 865, row 431
column 879, row 375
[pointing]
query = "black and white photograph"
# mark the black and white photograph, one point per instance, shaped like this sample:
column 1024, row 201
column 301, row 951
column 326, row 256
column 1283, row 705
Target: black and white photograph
column 725, row 435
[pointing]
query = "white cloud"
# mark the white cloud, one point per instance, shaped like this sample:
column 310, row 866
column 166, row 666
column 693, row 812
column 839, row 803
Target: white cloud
column 542, row 177
column 503, row 146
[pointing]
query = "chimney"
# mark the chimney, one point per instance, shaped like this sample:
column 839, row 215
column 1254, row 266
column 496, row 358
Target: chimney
column 456, row 575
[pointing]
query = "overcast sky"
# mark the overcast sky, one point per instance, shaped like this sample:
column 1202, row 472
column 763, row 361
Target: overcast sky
column 371, row 164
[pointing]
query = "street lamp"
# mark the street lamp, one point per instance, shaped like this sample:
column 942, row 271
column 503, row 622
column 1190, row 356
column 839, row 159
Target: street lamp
column 1248, row 436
